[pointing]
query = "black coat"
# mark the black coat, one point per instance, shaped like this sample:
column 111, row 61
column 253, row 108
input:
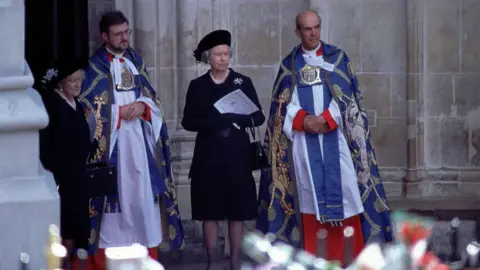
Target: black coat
column 64, row 149
column 201, row 116
column 222, row 184
column 65, row 143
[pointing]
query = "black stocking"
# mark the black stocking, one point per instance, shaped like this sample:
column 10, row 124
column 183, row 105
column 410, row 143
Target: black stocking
column 67, row 262
column 235, row 231
column 210, row 235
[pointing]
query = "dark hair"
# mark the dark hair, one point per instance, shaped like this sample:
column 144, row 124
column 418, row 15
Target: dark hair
column 111, row 18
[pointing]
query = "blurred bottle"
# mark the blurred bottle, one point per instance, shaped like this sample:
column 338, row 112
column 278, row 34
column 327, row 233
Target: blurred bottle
column 322, row 236
column 24, row 261
column 349, row 255
column 82, row 257
column 55, row 251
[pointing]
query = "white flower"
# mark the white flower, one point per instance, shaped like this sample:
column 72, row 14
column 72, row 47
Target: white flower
column 51, row 73
column 238, row 81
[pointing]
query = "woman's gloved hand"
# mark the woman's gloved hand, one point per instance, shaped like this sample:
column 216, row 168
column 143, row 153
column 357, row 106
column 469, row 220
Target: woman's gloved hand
column 240, row 119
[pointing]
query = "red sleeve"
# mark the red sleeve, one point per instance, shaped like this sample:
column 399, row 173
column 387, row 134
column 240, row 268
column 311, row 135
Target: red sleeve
column 298, row 120
column 119, row 122
column 147, row 115
column 332, row 125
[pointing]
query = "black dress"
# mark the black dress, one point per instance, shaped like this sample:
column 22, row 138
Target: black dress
column 64, row 148
column 222, row 185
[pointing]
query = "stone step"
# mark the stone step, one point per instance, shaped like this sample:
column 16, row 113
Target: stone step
column 193, row 253
column 192, row 231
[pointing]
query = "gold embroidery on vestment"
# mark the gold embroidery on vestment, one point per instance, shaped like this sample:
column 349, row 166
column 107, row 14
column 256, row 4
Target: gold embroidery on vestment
column 172, row 232
column 92, row 237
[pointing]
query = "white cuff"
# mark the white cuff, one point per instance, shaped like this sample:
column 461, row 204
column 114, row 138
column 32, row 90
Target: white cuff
column 156, row 118
column 334, row 110
column 292, row 111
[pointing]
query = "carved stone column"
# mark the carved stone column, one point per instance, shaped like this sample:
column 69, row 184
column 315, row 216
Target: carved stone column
column 28, row 198
column 195, row 20
column 415, row 108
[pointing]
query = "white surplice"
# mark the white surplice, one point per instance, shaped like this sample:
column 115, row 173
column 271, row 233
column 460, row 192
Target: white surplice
column 352, row 203
column 139, row 221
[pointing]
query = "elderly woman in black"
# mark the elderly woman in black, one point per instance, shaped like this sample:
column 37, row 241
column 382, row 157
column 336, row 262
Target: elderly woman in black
column 64, row 148
column 222, row 185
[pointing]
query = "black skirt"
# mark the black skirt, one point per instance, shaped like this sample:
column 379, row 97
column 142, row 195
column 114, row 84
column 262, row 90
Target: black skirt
column 75, row 219
column 222, row 184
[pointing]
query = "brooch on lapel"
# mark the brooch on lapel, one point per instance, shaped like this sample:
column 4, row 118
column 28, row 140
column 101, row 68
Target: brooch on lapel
column 238, row 81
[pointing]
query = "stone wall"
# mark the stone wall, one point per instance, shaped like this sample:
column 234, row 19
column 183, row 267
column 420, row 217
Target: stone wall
column 95, row 10
column 416, row 63
column 443, row 97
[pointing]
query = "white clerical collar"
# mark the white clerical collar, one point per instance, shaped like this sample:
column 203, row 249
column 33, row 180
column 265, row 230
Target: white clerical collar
column 114, row 54
column 311, row 58
column 312, row 52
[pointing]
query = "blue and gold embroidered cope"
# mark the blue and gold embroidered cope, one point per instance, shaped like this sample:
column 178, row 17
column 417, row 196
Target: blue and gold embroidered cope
column 97, row 97
column 278, row 212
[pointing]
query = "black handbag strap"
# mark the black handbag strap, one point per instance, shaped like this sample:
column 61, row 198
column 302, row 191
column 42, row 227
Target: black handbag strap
column 90, row 157
column 89, row 160
column 253, row 131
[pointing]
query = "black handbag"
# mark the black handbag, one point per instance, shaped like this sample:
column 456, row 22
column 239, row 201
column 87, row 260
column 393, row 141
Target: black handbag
column 258, row 158
column 101, row 179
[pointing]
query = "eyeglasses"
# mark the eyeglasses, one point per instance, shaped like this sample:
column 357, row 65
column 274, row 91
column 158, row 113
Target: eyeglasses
column 122, row 33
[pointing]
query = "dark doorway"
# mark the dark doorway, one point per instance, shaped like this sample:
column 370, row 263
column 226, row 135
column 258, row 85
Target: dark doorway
column 54, row 28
